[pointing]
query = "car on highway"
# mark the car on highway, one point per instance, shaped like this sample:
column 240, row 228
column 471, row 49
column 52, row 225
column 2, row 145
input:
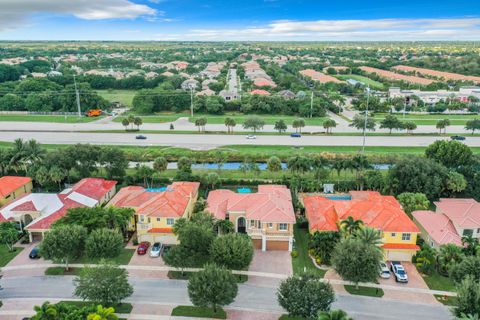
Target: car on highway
column 399, row 272
column 143, row 247
column 458, row 138
column 296, row 135
column 35, row 253
column 384, row 271
column 140, row 137
column 156, row 250
column 251, row 137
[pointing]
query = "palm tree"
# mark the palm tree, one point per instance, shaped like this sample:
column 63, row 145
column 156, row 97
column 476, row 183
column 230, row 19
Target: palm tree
column 125, row 123
column 160, row 164
column 57, row 175
column 333, row 315
column 103, row 314
column 349, row 226
column 369, row 236
column 470, row 245
column 448, row 255
column 131, row 120
column 138, row 122
column 46, row 311
column 329, row 124
column 230, row 123
column 224, row 226
column 464, row 316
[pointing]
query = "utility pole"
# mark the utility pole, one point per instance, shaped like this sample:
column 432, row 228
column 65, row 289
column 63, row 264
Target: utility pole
column 311, row 105
column 77, row 96
column 191, row 101
column 366, row 118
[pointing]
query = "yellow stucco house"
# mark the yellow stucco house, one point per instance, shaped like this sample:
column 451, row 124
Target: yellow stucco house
column 384, row 213
column 11, row 188
column 157, row 210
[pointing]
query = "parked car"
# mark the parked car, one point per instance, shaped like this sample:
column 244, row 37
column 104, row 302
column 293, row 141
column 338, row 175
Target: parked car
column 398, row 271
column 140, row 137
column 251, row 137
column 166, row 248
column 143, row 247
column 296, row 135
column 384, row 271
column 35, row 253
column 459, row 138
column 156, row 249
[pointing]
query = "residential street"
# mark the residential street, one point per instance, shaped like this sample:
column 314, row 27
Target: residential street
column 250, row 297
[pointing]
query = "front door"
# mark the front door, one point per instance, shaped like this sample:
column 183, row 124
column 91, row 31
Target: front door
column 241, row 225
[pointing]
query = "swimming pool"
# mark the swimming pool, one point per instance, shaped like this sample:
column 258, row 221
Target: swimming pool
column 244, row 190
column 161, row 189
column 339, row 197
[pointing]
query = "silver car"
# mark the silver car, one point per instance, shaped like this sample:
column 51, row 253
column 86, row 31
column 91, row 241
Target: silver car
column 156, row 250
column 384, row 271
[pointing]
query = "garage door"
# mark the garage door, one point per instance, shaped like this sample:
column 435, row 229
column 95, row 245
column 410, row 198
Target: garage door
column 257, row 243
column 398, row 255
column 277, row 245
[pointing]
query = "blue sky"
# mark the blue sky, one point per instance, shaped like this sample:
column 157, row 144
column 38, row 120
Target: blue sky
column 239, row 20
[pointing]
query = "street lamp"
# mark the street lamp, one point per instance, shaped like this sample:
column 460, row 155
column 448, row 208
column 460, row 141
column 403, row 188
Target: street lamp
column 366, row 118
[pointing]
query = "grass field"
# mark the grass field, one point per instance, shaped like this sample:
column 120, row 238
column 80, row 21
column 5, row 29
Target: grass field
column 435, row 281
column 365, row 291
column 46, row 118
column 372, row 83
column 125, row 97
column 431, row 119
column 6, row 256
column 122, row 259
column 303, row 261
column 199, row 312
column 220, row 119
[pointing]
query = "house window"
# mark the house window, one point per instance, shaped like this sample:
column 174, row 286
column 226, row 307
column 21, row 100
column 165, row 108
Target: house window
column 227, row 216
column 467, row 232
column 142, row 218
column 252, row 223
column 393, row 234
column 282, row 226
column 270, row 225
column 158, row 219
column 170, row 221
column 478, row 230
column 148, row 220
column 405, row 236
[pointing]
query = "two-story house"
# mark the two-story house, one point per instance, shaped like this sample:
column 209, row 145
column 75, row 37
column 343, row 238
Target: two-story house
column 12, row 187
column 157, row 210
column 452, row 219
column 267, row 216
column 384, row 213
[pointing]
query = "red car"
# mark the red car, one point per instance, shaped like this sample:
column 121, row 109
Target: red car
column 143, row 247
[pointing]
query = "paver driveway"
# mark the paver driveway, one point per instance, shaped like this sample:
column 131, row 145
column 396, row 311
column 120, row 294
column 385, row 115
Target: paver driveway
column 23, row 259
column 146, row 260
column 271, row 262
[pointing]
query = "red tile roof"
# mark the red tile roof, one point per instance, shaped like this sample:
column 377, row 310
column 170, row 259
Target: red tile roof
column 26, row 206
column 438, row 226
column 272, row 203
column 8, row 184
column 46, row 222
column 260, row 92
column 160, row 230
column 464, row 213
column 375, row 210
column 94, row 188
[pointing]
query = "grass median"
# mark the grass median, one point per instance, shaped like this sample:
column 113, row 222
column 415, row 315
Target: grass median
column 199, row 312
column 365, row 291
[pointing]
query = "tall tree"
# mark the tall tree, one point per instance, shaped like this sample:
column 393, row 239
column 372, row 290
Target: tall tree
column 413, row 201
column 230, row 123
column 280, row 126
column 358, row 123
column 233, row 250
column 350, row 225
column 254, row 123
column 473, row 125
column 298, row 124
column 468, row 297
column 391, row 122
column 64, row 243
column 8, row 234
column 329, row 124
column 104, row 243
column 442, row 125
column 274, row 164
column 452, row 154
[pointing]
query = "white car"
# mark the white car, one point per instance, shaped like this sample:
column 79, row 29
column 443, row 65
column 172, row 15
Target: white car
column 156, row 250
column 384, row 272
column 398, row 271
column 251, row 136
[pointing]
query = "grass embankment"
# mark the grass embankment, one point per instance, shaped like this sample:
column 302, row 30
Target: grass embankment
column 6, row 255
column 60, row 271
column 431, row 119
column 47, row 118
column 436, row 281
column 199, row 312
column 365, row 291
column 372, row 83
column 241, row 278
column 119, row 308
column 125, row 97
column 446, row 300
column 303, row 261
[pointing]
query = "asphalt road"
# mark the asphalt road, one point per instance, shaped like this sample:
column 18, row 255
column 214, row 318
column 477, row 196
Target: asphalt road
column 199, row 141
column 250, row 297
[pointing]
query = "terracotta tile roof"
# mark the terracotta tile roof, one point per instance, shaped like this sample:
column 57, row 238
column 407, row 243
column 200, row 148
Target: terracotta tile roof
column 160, row 230
column 464, row 213
column 260, row 92
column 169, row 203
column 272, row 203
column 25, row 206
column 375, row 210
column 94, row 188
column 438, row 226
column 8, row 184
column 46, row 222
column 406, row 246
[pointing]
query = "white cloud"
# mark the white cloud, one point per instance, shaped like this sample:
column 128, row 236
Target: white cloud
column 15, row 12
column 377, row 29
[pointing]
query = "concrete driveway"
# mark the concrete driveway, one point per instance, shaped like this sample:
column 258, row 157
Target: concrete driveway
column 271, row 262
column 23, row 259
column 146, row 260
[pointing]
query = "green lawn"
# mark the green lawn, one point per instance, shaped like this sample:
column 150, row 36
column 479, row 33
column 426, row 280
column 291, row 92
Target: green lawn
column 436, row 281
column 186, row 275
column 287, row 317
column 6, row 256
column 303, row 261
column 365, row 291
column 120, row 308
column 60, row 271
column 47, row 118
column 448, row 301
column 122, row 259
column 125, row 97
column 199, row 312
column 160, row 118
column 431, row 119
column 372, row 83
